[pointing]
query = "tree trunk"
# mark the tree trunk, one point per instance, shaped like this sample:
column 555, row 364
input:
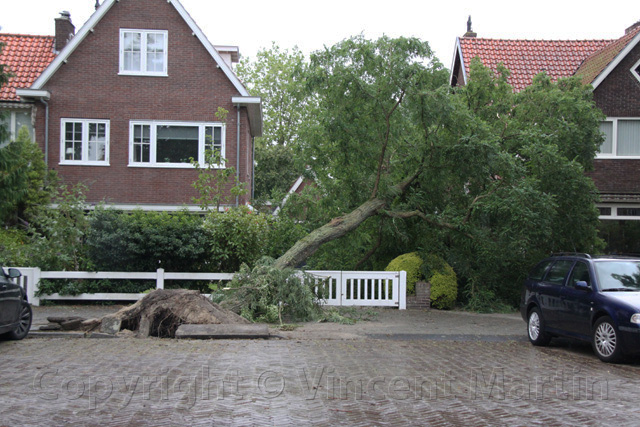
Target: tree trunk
column 335, row 229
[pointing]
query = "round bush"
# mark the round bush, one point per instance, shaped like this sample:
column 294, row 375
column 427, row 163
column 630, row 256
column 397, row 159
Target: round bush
column 411, row 263
column 444, row 288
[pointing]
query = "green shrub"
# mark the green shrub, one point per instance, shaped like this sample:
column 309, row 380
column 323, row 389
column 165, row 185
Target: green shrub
column 411, row 263
column 146, row 241
column 444, row 282
column 14, row 248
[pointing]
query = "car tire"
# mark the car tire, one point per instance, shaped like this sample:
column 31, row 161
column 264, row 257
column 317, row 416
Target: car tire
column 606, row 341
column 535, row 328
column 26, row 316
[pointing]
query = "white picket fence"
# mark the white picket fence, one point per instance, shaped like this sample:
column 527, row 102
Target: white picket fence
column 338, row 288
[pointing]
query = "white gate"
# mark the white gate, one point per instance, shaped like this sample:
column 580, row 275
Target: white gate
column 363, row 288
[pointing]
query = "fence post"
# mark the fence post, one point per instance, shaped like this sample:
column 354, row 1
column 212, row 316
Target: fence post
column 402, row 291
column 32, row 277
column 160, row 278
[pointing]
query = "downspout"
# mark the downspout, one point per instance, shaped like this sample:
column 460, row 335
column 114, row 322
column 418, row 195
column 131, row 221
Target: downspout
column 238, row 152
column 253, row 169
column 46, row 132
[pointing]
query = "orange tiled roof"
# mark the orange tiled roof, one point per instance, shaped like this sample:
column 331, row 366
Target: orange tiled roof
column 598, row 61
column 526, row 58
column 25, row 57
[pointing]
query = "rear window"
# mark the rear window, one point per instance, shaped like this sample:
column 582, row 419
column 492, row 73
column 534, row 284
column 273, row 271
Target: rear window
column 538, row 271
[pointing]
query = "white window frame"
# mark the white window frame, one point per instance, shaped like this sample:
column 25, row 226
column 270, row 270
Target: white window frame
column 85, row 142
column 153, row 163
column 634, row 71
column 143, row 53
column 614, row 211
column 614, row 140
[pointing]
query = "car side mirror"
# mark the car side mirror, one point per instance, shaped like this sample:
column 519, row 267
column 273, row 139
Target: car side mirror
column 14, row 272
column 583, row 286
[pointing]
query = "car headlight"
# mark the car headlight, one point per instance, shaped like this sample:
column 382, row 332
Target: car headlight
column 635, row 318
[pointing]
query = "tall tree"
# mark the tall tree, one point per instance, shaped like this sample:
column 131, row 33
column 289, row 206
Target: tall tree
column 482, row 169
column 287, row 107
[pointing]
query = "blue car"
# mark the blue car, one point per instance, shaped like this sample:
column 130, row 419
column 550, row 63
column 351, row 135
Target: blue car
column 591, row 298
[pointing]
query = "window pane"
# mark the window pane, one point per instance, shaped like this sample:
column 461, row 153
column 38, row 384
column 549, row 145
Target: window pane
column 97, row 141
column 628, row 138
column 132, row 52
column 73, row 141
column 628, row 211
column 155, row 42
column 155, row 62
column 558, row 272
column 607, row 145
column 538, row 271
column 580, row 273
column 141, row 143
column 605, row 211
column 177, row 144
column 155, row 52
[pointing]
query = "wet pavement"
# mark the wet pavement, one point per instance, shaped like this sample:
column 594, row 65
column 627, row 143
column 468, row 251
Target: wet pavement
column 405, row 368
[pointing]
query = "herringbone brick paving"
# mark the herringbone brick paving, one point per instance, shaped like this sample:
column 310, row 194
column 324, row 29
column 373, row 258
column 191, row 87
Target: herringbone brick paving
column 122, row 382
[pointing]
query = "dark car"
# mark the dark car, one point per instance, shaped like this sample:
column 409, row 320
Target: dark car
column 591, row 298
column 15, row 311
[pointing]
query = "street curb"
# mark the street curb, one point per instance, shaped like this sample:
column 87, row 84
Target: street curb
column 57, row 334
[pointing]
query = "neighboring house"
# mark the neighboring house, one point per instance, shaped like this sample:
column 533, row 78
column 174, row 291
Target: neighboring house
column 25, row 57
column 124, row 103
column 612, row 67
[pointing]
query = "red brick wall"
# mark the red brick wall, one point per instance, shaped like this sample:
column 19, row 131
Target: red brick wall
column 616, row 176
column 88, row 86
column 619, row 96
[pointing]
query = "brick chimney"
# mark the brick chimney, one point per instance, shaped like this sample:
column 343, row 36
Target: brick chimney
column 65, row 30
column 633, row 27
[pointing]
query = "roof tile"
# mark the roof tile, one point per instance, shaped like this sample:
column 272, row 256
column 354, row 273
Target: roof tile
column 526, row 58
column 25, row 57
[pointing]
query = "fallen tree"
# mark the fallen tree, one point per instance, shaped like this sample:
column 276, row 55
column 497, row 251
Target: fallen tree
column 491, row 177
column 161, row 312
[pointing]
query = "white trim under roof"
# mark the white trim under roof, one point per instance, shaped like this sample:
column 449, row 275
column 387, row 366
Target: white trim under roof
column 613, row 64
column 635, row 70
column 457, row 52
column 32, row 93
column 99, row 14
column 254, row 108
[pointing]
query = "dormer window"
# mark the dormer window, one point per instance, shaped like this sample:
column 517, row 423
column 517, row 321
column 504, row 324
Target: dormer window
column 143, row 52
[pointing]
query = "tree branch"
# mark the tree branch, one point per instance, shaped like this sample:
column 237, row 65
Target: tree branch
column 373, row 250
column 374, row 193
column 424, row 217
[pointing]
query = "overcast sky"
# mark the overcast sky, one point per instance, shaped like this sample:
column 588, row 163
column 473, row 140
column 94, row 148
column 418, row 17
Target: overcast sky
column 254, row 24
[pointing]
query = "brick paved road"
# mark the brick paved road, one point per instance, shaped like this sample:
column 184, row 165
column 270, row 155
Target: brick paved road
column 127, row 382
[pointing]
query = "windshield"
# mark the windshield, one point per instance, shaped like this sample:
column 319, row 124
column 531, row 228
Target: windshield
column 618, row 275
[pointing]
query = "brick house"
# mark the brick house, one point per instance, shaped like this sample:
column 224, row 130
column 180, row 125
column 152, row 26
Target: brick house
column 612, row 67
column 125, row 102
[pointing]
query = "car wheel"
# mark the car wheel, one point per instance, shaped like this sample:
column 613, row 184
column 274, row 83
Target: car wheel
column 24, row 323
column 535, row 328
column 606, row 341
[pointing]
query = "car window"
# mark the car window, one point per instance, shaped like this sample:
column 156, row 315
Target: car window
column 618, row 275
column 580, row 273
column 538, row 271
column 559, row 271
